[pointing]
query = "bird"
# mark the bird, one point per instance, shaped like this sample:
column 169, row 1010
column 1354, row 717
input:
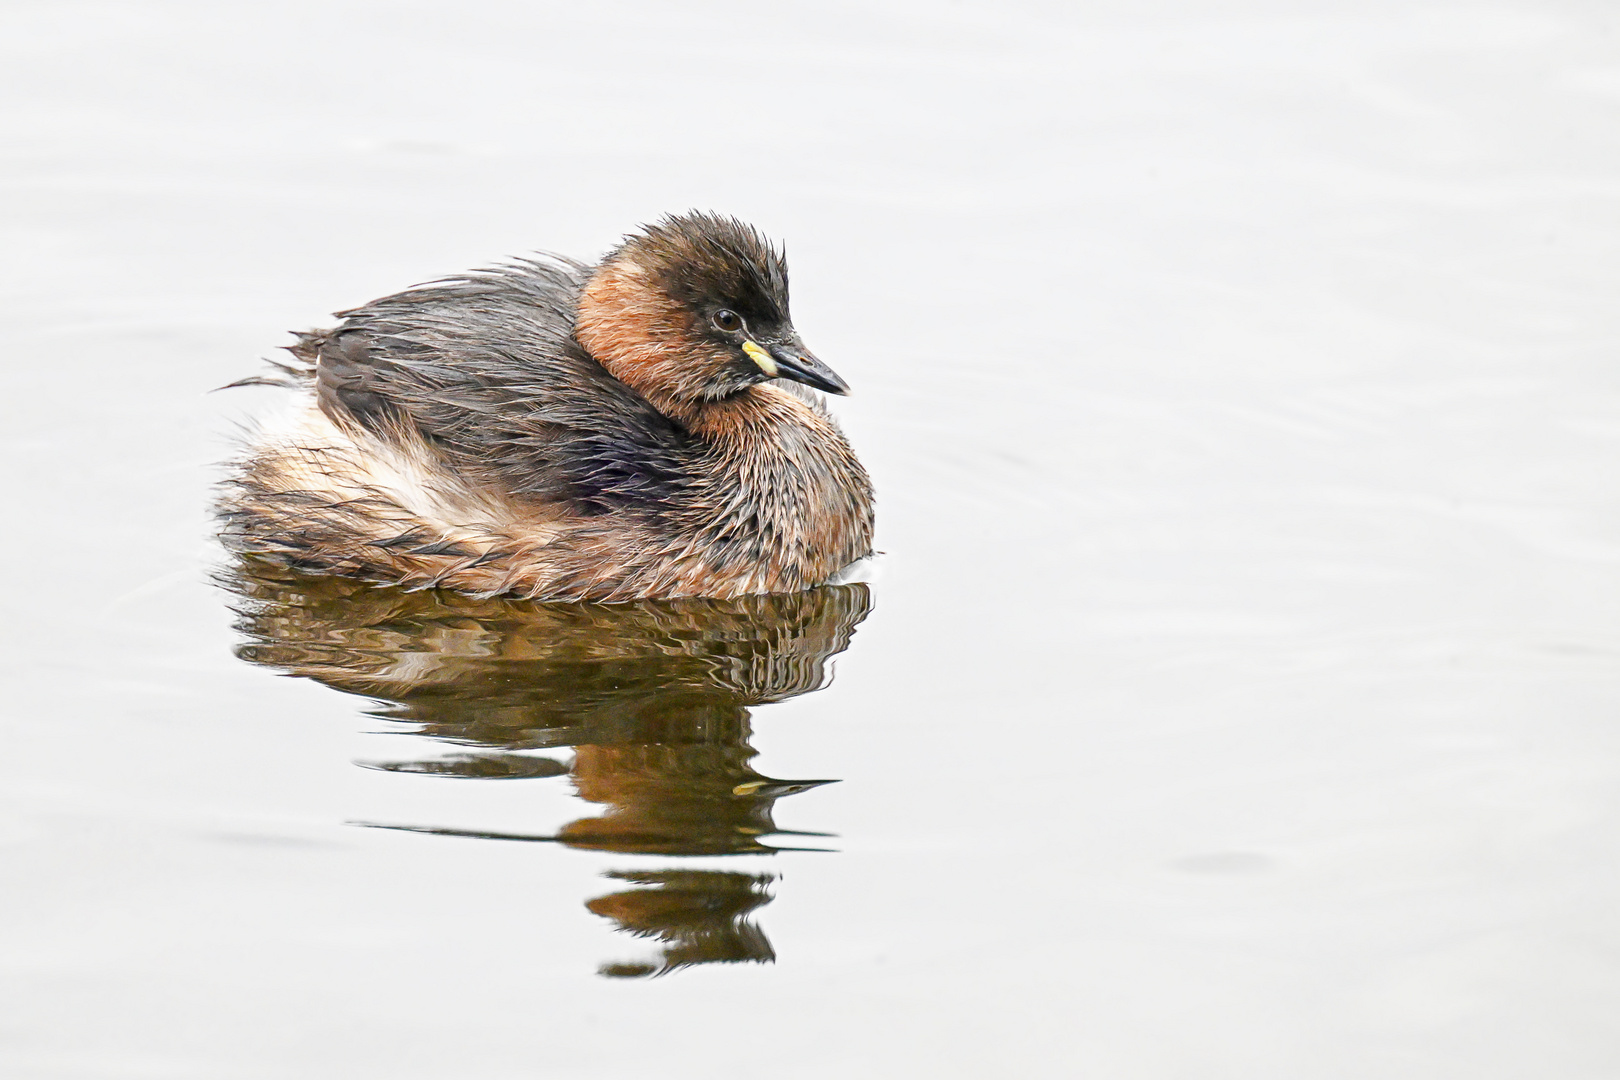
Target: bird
column 648, row 427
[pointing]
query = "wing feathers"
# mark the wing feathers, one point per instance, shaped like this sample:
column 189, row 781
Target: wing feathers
column 485, row 369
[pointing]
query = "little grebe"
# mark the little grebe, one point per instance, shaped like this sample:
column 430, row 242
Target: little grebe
column 647, row 427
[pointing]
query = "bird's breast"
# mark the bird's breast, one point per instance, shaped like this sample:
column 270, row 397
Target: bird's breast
column 785, row 489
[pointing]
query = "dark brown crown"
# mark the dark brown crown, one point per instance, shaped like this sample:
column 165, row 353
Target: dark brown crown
column 702, row 260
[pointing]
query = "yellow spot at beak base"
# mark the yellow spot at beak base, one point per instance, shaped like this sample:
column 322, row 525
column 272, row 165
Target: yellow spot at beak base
column 762, row 358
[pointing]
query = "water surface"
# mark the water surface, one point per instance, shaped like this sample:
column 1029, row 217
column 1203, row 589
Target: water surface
column 1236, row 696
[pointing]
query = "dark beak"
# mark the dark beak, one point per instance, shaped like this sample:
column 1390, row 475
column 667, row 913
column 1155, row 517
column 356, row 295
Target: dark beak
column 794, row 361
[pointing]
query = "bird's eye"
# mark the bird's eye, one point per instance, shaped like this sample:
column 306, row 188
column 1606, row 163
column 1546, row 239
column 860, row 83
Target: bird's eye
column 727, row 320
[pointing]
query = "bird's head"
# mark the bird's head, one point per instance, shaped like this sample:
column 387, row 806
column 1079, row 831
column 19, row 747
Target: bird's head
column 693, row 310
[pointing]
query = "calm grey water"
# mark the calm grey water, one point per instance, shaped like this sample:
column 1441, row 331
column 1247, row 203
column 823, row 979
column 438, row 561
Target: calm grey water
column 1237, row 696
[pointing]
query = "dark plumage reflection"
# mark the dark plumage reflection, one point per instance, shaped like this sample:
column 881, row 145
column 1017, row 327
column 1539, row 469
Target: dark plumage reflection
column 652, row 697
column 697, row 916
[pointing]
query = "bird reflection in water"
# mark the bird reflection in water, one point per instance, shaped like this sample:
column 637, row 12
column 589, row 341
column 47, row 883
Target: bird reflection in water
column 653, row 698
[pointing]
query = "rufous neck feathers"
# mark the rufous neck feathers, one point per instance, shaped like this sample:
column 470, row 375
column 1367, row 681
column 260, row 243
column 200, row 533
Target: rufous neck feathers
column 642, row 337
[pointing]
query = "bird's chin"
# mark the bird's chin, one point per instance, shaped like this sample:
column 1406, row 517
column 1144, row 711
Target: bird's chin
column 732, row 389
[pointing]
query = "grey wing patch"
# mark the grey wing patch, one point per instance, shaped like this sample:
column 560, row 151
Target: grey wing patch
column 485, row 369
column 352, row 383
